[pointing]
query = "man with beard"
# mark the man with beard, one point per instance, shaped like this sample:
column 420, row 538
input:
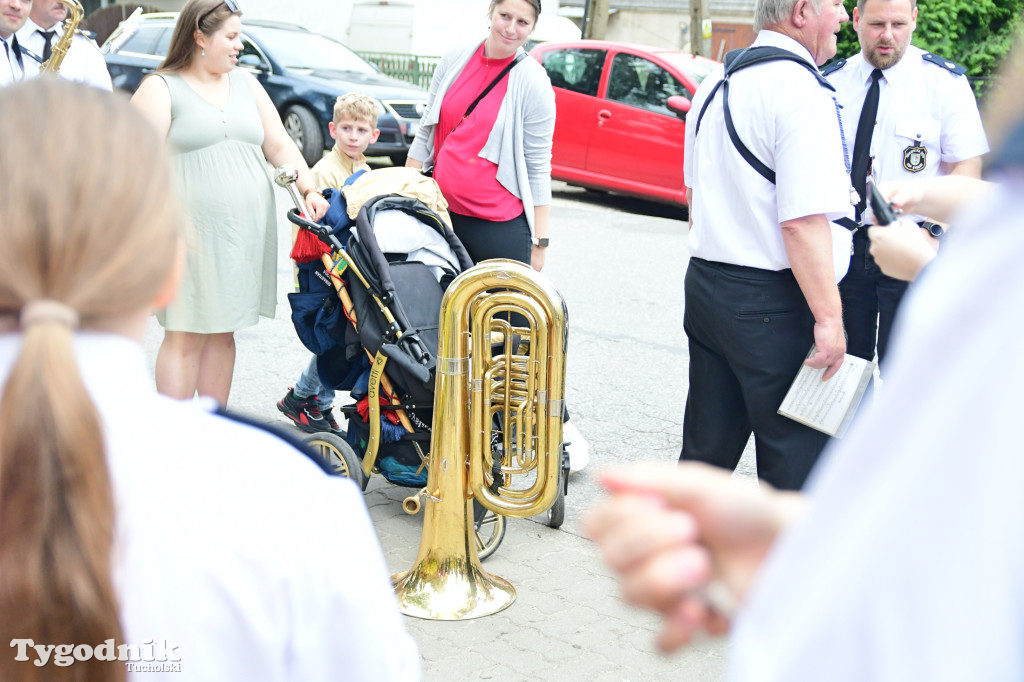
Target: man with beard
column 911, row 114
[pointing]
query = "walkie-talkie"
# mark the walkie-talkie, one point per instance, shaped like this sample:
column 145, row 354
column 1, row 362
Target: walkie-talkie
column 885, row 213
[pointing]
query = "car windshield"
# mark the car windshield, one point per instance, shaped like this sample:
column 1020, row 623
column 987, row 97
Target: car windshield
column 301, row 50
column 696, row 69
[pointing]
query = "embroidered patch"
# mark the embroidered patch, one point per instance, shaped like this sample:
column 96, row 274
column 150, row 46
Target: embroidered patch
column 915, row 158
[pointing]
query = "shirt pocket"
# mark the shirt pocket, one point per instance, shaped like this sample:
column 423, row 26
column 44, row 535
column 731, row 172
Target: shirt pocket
column 919, row 130
column 914, row 134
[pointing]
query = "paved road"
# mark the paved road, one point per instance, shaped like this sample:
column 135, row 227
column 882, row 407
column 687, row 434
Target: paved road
column 619, row 264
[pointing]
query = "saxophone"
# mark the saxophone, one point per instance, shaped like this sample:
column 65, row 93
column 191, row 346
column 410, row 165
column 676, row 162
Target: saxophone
column 59, row 50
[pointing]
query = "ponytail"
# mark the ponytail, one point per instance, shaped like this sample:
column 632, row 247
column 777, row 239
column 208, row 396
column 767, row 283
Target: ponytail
column 56, row 511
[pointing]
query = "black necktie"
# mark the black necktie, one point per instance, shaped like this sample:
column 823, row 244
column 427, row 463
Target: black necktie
column 862, row 145
column 47, row 49
column 13, row 51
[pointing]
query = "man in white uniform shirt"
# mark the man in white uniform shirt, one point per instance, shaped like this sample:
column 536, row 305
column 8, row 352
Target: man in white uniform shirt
column 83, row 63
column 926, row 124
column 761, row 283
column 13, row 14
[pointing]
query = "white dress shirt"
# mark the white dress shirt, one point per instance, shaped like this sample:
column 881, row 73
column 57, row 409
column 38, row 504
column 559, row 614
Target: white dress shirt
column 11, row 68
column 920, row 105
column 908, row 563
column 790, row 123
column 231, row 545
column 83, row 63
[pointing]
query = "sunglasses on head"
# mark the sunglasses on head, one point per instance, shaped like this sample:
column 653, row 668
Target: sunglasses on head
column 232, row 6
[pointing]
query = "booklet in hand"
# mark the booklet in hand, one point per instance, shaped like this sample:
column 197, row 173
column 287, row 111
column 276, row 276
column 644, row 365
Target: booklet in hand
column 828, row 406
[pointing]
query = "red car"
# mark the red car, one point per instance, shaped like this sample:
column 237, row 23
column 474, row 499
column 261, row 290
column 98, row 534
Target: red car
column 621, row 115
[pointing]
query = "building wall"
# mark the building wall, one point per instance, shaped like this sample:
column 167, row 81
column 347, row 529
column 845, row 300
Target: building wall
column 658, row 29
column 423, row 27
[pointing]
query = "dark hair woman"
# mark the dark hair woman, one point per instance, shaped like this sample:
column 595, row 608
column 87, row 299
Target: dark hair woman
column 223, row 129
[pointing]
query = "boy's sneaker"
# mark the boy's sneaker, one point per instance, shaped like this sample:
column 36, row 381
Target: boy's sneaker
column 305, row 412
column 328, row 414
column 576, row 444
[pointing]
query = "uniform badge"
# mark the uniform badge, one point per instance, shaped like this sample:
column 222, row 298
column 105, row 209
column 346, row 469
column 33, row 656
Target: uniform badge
column 915, row 158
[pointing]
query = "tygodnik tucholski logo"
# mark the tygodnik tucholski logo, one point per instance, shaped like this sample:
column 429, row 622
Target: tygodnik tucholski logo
column 150, row 656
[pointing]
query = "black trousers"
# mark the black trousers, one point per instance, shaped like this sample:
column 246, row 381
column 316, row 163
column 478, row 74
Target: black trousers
column 486, row 239
column 749, row 332
column 870, row 300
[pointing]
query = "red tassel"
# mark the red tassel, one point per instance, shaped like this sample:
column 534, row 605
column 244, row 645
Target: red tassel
column 308, row 247
column 363, row 408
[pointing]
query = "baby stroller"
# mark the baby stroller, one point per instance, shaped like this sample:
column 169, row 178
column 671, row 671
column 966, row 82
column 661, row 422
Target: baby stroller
column 377, row 338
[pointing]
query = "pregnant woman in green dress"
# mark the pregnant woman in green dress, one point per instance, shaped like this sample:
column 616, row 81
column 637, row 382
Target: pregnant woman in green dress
column 223, row 129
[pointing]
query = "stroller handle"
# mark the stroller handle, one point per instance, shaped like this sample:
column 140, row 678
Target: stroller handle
column 322, row 233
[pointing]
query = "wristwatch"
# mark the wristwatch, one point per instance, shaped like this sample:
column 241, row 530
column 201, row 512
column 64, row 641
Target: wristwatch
column 934, row 229
column 541, row 242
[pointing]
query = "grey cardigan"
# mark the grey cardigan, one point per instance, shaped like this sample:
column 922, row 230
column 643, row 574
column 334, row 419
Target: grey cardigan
column 520, row 141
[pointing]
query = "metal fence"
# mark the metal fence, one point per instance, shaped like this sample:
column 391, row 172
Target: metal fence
column 407, row 67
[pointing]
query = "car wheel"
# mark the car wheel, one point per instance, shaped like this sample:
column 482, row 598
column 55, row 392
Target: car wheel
column 304, row 128
column 398, row 159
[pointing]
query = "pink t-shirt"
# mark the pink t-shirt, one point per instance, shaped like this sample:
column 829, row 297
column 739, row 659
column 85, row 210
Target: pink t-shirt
column 466, row 180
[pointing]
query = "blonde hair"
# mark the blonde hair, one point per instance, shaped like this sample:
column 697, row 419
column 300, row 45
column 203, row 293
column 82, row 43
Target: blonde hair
column 356, row 106
column 82, row 226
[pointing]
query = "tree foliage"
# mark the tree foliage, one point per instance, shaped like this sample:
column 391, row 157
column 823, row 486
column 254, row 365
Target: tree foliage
column 976, row 34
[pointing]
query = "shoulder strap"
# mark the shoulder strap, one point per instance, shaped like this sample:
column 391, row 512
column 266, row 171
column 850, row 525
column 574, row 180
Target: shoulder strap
column 286, row 436
column 352, row 178
column 737, row 60
column 767, row 53
column 832, row 67
column 497, row 79
column 952, row 67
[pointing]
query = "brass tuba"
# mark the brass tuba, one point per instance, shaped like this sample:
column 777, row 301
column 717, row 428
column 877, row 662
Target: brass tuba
column 499, row 390
column 59, row 50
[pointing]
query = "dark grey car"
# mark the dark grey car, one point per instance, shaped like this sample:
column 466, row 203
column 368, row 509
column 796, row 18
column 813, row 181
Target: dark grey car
column 303, row 72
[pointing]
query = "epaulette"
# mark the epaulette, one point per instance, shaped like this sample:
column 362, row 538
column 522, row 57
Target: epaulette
column 88, row 34
column 288, row 437
column 953, row 68
column 832, row 67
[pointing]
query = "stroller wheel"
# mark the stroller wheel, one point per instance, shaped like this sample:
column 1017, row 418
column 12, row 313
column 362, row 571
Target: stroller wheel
column 488, row 530
column 556, row 514
column 337, row 454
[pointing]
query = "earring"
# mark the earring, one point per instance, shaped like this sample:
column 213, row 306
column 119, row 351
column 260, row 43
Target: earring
column 203, row 54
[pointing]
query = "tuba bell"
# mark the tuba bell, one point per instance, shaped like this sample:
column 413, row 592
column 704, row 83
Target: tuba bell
column 59, row 50
column 497, row 434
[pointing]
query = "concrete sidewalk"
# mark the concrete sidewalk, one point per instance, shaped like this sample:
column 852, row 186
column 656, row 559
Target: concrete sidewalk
column 567, row 622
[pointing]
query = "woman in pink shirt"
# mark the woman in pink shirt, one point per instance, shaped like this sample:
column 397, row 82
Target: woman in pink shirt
column 486, row 136
column 494, row 165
